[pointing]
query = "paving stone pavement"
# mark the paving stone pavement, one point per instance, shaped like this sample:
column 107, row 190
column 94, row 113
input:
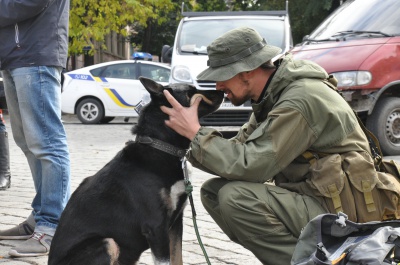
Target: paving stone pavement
column 91, row 147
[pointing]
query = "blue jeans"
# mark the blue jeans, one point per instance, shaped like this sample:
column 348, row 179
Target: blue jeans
column 34, row 104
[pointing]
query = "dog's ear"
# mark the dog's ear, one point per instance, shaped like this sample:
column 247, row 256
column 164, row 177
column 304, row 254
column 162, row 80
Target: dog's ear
column 151, row 86
column 155, row 90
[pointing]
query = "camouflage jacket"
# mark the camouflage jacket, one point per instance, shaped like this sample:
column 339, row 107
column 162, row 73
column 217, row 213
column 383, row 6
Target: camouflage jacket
column 298, row 113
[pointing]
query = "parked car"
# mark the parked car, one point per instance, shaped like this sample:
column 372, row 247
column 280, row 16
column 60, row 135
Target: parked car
column 359, row 44
column 101, row 92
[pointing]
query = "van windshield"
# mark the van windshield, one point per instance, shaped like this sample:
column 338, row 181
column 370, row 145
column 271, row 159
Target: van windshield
column 195, row 36
column 357, row 17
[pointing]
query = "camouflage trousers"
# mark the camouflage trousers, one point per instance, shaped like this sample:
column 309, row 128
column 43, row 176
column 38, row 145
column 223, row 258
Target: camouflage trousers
column 265, row 219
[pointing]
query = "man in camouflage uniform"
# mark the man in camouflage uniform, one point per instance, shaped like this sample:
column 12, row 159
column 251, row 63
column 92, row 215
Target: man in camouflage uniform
column 294, row 111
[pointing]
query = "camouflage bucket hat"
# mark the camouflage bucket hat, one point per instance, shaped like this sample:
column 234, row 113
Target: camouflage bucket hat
column 238, row 50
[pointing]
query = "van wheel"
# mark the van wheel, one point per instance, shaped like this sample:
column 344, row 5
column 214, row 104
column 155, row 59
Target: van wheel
column 384, row 122
column 90, row 111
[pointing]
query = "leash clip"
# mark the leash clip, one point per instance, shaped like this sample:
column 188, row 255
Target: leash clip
column 185, row 170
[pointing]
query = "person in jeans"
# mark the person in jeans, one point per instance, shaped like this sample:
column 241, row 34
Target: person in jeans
column 33, row 52
column 262, row 198
column 5, row 175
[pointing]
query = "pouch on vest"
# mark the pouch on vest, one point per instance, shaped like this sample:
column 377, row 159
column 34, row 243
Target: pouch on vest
column 349, row 183
column 364, row 187
column 390, row 167
column 332, row 239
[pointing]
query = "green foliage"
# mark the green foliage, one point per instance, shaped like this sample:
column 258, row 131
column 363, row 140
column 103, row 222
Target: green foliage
column 153, row 36
column 160, row 30
column 156, row 21
column 210, row 5
column 92, row 20
column 305, row 15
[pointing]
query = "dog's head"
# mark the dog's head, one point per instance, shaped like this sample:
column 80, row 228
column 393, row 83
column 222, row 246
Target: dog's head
column 151, row 120
column 185, row 94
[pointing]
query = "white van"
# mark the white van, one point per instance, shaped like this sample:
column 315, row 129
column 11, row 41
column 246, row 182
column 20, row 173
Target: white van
column 198, row 29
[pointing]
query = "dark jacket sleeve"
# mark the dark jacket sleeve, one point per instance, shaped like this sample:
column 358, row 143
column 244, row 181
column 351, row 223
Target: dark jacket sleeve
column 12, row 11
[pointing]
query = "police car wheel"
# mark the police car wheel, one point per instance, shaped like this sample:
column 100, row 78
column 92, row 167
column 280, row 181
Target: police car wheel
column 90, row 111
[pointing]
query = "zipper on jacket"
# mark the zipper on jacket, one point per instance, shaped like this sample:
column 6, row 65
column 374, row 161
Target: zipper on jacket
column 17, row 36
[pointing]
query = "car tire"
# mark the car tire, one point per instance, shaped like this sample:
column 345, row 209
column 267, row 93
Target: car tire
column 107, row 120
column 90, row 111
column 384, row 123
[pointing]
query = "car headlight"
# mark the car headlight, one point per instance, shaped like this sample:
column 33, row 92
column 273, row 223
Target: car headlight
column 352, row 78
column 181, row 73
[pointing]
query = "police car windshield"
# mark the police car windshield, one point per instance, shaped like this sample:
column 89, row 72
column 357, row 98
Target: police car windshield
column 359, row 17
column 195, row 36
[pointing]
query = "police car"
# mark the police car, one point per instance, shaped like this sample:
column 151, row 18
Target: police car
column 101, row 92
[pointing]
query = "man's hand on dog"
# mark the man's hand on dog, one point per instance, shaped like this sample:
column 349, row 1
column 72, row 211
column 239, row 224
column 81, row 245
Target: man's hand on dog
column 182, row 120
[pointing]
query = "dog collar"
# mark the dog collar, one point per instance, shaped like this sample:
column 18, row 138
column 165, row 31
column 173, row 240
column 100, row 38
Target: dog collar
column 160, row 145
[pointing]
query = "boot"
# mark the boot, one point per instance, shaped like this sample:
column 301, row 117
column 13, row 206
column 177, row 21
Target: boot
column 5, row 175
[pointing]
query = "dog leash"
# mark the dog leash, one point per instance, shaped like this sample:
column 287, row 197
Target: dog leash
column 189, row 189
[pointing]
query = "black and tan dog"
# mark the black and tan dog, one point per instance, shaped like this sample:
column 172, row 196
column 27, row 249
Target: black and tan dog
column 136, row 201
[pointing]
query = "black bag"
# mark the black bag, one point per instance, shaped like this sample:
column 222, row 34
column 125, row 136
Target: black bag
column 332, row 239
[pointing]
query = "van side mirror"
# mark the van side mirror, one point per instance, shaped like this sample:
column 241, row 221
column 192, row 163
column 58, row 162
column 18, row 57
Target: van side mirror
column 306, row 37
column 166, row 54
